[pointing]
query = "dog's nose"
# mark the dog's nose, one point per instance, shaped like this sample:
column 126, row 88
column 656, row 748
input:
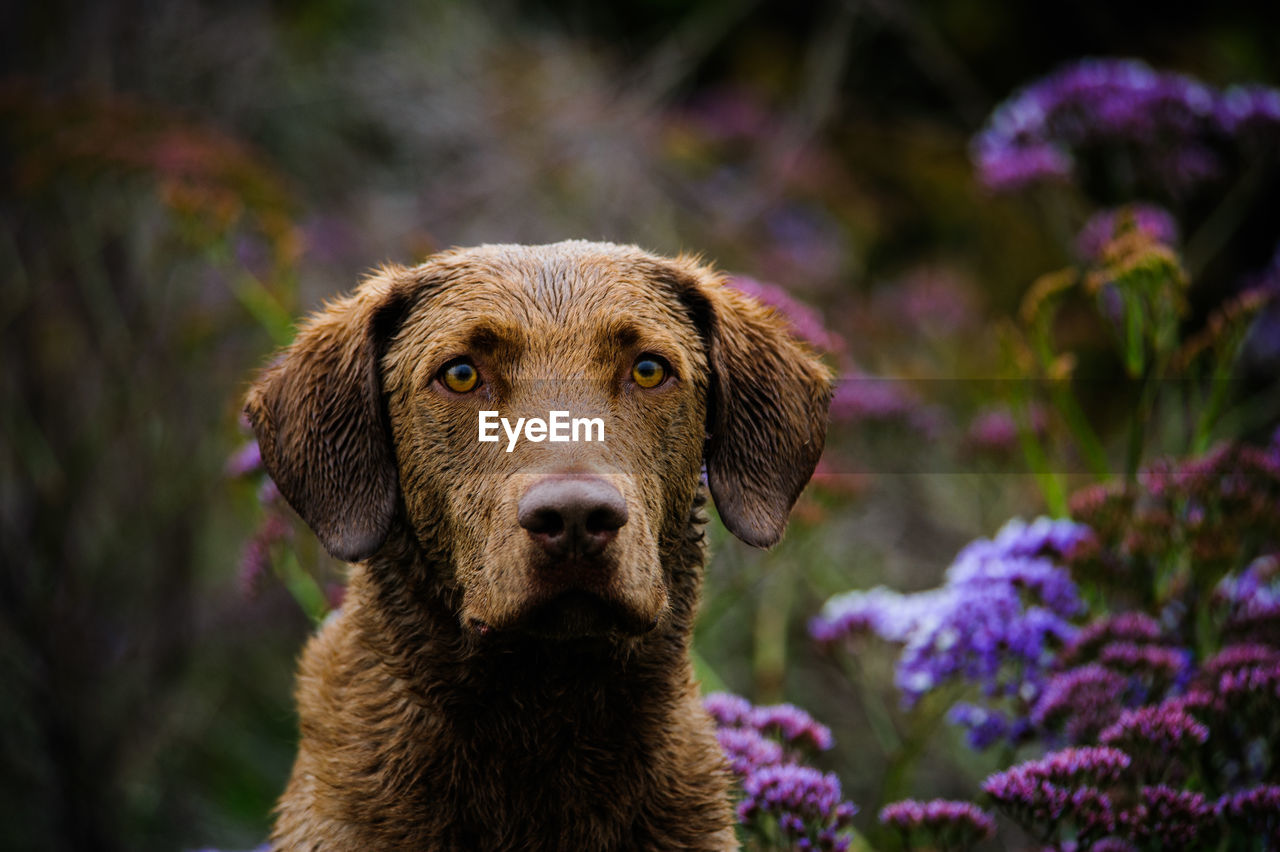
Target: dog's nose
column 572, row 516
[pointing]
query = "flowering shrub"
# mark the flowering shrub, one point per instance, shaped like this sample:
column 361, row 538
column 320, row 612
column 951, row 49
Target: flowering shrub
column 1133, row 642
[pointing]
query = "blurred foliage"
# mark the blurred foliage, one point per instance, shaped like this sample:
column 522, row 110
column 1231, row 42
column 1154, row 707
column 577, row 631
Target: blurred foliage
column 181, row 179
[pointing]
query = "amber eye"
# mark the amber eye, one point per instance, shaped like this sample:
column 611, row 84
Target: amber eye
column 649, row 371
column 460, row 376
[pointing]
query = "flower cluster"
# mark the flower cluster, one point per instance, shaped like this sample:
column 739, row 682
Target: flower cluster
column 764, row 746
column 1172, row 819
column 1166, row 728
column 1081, row 702
column 1173, row 124
column 1255, row 810
column 940, row 823
column 798, row 797
column 1191, row 524
column 997, row 621
column 1063, row 787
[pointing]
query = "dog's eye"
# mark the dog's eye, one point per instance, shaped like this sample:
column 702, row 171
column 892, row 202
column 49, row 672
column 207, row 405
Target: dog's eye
column 460, row 376
column 649, row 371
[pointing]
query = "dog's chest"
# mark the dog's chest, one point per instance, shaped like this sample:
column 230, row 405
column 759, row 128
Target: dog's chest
column 585, row 783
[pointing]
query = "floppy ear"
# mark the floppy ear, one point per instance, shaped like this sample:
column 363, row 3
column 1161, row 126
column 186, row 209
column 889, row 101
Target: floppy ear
column 321, row 425
column 767, row 415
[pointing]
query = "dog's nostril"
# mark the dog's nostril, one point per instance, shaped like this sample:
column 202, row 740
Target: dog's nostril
column 543, row 522
column 606, row 519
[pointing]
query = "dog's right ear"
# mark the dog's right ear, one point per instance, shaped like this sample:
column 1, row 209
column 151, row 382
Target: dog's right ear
column 321, row 424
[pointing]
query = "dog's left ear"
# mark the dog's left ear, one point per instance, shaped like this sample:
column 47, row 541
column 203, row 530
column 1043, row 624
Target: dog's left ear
column 767, row 412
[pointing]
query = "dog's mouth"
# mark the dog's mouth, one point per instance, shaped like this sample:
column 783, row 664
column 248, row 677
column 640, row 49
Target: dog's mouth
column 575, row 614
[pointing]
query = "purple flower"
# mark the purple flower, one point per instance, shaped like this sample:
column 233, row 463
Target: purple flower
column 993, row 430
column 1160, row 667
column 805, row 803
column 1249, row 109
column 747, row 751
column 1255, row 589
column 805, row 322
column 1062, row 786
column 1042, row 537
column 888, row 614
column 791, row 789
column 1262, row 681
column 796, row 726
column 1166, row 728
column 728, row 710
column 255, row 560
column 997, row 621
column 1255, row 809
column 860, row 397
column 1170, row 123
column 1173, row 819
column 244, row 461
column 1236, row 657
column 986, row 726
column 1005, row 167
column 1155, row 222
column 269, row 492
column 1094, row 764
column 1081, row 701
column 1135, row 627
column 948, row 824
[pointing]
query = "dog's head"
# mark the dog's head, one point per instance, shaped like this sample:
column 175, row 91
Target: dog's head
column 374, row 416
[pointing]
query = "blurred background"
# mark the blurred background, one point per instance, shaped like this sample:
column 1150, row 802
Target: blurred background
column 180, row 180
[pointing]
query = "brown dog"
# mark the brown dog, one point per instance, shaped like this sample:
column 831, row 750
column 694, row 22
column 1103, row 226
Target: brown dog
column 511, row 667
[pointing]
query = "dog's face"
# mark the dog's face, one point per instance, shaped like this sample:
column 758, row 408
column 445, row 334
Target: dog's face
column 376, row 413
column 558, row 537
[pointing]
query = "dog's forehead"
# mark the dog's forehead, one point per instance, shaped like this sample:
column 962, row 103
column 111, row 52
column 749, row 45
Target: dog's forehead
column 570, row 286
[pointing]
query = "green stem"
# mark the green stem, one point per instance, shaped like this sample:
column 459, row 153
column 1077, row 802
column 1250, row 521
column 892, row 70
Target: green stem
column 922, row 722
column 1085, row 437
column 878, row 716
column 304, row 588
column 1141, row 422
column 264, row 307
column 1051, row 486
column 772, row 615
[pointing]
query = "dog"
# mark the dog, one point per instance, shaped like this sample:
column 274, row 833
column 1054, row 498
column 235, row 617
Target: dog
column 510, row 668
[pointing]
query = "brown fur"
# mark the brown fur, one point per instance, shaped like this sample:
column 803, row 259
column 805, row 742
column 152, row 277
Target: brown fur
column 458, row 701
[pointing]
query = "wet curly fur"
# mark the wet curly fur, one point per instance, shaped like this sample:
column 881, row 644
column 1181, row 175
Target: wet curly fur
column 474, row 693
